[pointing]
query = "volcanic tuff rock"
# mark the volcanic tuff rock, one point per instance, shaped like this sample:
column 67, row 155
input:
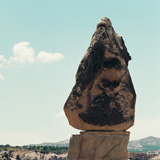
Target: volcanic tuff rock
column 103, row 145
column 103, row 97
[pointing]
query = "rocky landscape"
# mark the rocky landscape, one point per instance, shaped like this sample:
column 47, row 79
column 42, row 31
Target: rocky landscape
column 143, row 156
column 144, row 149
column 32, row 155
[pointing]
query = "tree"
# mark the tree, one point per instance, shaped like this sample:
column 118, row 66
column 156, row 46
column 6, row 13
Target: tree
column 17, row 157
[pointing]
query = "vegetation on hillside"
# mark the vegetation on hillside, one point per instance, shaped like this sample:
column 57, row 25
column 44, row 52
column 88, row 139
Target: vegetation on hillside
column 145, row 149
column 41, row 149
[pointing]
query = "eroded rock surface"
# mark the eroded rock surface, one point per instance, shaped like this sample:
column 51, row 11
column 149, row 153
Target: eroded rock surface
column 103, row 97
column 98, row 146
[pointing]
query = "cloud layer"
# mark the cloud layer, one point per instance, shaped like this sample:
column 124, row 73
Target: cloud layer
column 1, row 77
column 24, row 54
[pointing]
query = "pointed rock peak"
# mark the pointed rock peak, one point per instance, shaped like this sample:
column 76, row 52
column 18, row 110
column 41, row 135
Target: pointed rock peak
column 103, row 97
column 104, row 22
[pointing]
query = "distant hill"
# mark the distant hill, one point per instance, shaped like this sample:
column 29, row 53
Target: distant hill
column 144, row 145
column 141, row 145
column 64, row 143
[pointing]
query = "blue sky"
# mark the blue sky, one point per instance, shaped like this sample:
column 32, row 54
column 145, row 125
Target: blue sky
column 41, row 46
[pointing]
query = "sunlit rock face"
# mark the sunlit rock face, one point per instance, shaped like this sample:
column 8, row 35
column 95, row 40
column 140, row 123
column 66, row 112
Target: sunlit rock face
column 103, row 97
column 98, row 145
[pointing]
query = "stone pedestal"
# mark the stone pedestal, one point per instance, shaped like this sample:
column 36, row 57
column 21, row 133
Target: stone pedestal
column 98, row 145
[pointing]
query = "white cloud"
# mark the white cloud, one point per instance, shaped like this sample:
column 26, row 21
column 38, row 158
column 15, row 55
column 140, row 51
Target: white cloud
column 2, row 59
column 145, row 128
column 2, row 77
column 60, row 114
column 46, row 57
column 23, row 53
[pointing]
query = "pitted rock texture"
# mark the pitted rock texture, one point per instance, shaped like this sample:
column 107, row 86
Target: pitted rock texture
column 103, row 97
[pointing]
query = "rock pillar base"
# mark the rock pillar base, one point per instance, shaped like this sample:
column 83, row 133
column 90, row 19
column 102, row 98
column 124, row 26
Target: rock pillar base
column 98, row 145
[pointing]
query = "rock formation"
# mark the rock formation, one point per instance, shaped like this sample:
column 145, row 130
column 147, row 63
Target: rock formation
column 102, row 102
column 103, row 97
column 98, row 146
